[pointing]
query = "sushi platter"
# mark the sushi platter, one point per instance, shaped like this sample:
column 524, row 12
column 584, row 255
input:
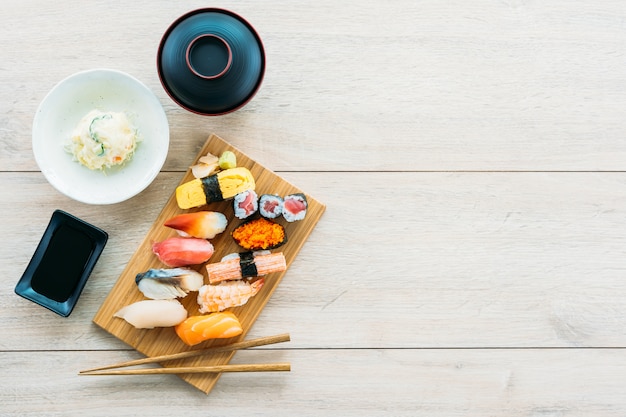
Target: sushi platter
column 164, row 340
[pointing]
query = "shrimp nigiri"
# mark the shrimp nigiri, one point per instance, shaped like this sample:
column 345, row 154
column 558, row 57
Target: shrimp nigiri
column 202, row 224
column 214, row 298
column 183, row 251
column 196, row 329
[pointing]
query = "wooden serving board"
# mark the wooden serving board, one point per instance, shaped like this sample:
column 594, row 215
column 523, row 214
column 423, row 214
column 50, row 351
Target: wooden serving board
column 161, row 341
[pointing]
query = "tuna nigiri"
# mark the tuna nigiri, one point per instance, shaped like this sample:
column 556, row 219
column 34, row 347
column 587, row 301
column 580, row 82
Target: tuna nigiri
column 148, row 314
column 196, row 329
column 214, row 298
column 183, row 251
column 201, row 224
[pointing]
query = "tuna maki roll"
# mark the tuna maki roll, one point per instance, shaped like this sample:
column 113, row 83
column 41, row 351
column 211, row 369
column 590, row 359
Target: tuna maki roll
column 294, row 207
column 245, row 204
column 270, row 206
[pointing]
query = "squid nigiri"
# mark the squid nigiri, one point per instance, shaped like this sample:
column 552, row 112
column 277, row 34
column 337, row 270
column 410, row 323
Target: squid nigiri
column 201, row 224
column 196, row 329
column 214, row 298
column 148, row 314
column 183, row 251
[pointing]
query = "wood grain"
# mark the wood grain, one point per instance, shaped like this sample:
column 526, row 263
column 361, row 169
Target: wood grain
column 433, row 382
column 510, row 85
column 164, row 341
column 470, row 262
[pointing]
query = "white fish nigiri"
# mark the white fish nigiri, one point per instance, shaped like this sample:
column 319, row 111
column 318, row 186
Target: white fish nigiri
column 163, row 284
column 148, row 314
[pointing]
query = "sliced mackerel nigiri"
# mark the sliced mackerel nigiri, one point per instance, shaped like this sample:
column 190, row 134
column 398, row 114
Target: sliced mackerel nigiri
column 183, row 251
column 202, row 224
column 164, row 284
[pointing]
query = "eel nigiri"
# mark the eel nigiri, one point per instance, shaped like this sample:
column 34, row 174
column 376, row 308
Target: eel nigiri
column 183, row 251
column 246, row 265
column 217, row 187
column 196, row 329
column 163, row 284
column 201, row 224
column 148, row 314
column 214, row 298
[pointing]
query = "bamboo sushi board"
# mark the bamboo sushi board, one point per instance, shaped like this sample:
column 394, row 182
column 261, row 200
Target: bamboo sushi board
column 161, row 341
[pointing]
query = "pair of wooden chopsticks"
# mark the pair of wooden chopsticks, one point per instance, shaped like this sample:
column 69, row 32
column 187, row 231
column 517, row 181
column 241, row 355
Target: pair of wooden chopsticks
column 262, row 367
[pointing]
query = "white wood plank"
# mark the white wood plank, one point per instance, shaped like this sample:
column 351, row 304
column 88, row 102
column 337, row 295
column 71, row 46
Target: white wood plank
column 398, row 260
column 491, row 294
column 561, row 382
column 353, row 86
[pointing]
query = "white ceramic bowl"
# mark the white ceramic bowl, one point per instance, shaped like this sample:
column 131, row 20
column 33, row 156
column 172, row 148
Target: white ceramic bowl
column 106, row 90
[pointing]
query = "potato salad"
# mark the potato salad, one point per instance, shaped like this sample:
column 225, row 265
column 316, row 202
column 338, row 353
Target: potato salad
column 103, row 140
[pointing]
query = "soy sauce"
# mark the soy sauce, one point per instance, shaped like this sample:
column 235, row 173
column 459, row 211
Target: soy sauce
column 63, row 263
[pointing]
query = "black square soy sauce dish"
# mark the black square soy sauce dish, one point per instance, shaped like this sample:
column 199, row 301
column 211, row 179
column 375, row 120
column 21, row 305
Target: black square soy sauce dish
column 64, row 258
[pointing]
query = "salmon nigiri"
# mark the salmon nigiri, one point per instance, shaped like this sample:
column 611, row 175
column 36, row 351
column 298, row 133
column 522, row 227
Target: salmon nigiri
column 202, row 224
column 183, row 251
column 196, row 329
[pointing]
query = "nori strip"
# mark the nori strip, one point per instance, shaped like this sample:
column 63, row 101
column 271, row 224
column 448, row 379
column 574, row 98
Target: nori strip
column 248, row 267
column 212, row 189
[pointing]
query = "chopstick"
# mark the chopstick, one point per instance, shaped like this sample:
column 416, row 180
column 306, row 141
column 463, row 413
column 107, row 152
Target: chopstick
column 267, row 340
column 261, row 367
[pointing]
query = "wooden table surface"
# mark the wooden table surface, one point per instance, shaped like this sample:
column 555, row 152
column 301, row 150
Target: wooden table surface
column 471, row 260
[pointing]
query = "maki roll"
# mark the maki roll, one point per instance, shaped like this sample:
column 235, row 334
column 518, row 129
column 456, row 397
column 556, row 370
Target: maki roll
column 270, row 206
column 245, row 204
column 259, row 234
column 294, row 207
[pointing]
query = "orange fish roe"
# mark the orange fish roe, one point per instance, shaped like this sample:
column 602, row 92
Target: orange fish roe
column 259, row 234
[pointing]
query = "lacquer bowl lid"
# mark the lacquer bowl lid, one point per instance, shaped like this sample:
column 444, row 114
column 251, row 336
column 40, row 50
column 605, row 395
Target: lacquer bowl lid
column 211, row 61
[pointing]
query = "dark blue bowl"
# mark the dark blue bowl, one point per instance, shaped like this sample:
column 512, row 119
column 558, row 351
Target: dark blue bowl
column 211, row 61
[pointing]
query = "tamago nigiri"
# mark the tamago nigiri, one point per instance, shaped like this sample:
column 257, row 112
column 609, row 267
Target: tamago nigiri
column 218, row 187
column 196, row 329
